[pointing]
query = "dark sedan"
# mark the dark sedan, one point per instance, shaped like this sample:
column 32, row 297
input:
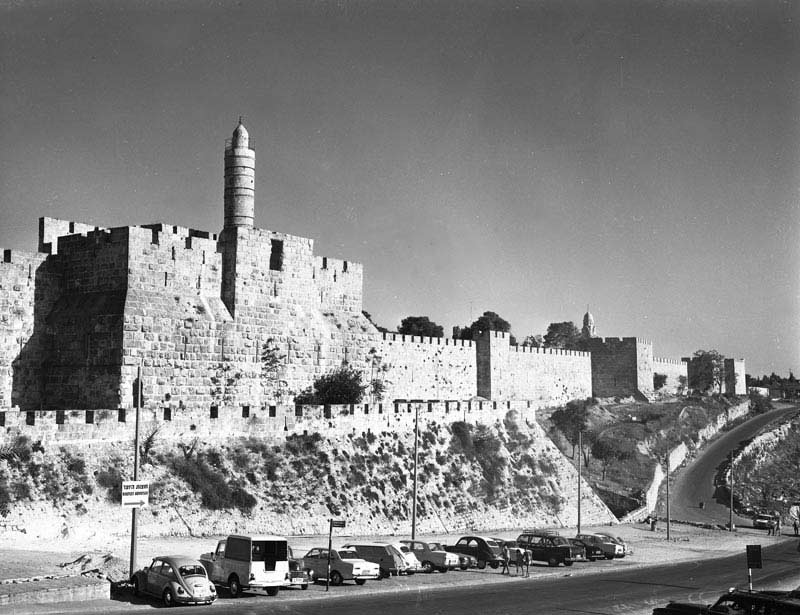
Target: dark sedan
column 485, row 550
column 591, row 551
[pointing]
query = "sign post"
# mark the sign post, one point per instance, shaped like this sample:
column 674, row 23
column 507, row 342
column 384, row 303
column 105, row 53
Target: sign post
column 334, row 523
column 135, row 510
column 753, row 561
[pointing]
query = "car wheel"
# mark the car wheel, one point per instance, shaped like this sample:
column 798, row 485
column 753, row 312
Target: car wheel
column 443, row 569
column 167, row 598
column 360, row 581
column 136, row 590
column 481, row 564
column 463, row 566
column 609, row 557
column 495, row 565
column 568, row 563
column 553, row 561
column 336, row 578
column 427, row 567
column 304, row 586
column 272, row 591
column 234, row 587
column 591, row 559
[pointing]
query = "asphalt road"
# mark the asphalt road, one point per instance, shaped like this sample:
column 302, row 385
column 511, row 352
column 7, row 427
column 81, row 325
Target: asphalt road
column 609, row 591
column 695, row 483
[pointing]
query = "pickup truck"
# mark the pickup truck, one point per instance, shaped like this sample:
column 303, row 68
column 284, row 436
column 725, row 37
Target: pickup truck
column 249, row 563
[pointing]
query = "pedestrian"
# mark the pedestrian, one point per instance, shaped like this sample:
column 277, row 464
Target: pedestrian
column 653, row 521
column 778, row 523
column 520, row 560
column 506, row 556
column 527, row 562
column 795, row 527
column 771, row 527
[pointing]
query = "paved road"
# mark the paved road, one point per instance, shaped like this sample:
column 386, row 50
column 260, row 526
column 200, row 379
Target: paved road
column 695, row 483
column 582, row 589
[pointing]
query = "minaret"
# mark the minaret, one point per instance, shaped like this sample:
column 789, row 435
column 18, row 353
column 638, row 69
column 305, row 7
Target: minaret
column 240, row 173
column 588, row 325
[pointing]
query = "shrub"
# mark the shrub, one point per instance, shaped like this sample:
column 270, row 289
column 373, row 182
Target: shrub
column 214, row 492
column 759, row 404
column 342, row 386
column 659, row 380
column 111, row 480
column 462, row 437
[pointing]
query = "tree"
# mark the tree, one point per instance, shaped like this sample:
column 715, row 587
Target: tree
column 659, row 380
column 342, row 386
column 420, row 325
column 707, row 371
column 571, row 420
column 608, row 452
column 563, row 335
column 533, row 341
column 489, row 321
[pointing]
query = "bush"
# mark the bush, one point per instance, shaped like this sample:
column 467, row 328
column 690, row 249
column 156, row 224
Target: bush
column 342, row 386
column 214, row 492
column 111, row 480
column 659, row 380
column 759, row 404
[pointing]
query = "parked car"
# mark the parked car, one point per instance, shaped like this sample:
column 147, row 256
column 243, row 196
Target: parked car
column 176, row 579
column 412, row 561
column 249, row 563
column 389, row 559
column 485, row 550
column 591, row 551
column 762, row 521
column 298, row 576
column 465, row 561
column 738, row 601
column 610, row 548
column 551, row 548
column 345, row 566
column 515, row 550
column 626, row 550
column 432, row 559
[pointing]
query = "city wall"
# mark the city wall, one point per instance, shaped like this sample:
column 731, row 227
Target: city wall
column 676, row 372
column 172, row 422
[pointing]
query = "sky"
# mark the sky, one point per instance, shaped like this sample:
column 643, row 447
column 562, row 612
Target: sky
column 528, row 158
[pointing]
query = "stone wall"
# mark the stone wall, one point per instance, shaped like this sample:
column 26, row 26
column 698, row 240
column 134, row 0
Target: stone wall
column 673, row 369
column 735, row 378
column 271, row 423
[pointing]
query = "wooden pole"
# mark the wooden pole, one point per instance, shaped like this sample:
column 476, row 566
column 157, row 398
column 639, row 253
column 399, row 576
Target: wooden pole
column 135, row 510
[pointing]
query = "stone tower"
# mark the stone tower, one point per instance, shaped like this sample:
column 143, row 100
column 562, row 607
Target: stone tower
column 240, row 172
column 588, row 325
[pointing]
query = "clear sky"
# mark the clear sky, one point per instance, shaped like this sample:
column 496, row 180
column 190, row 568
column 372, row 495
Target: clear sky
column 529, row 158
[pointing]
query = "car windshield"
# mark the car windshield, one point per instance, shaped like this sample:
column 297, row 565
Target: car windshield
column 435, row 546
column 192, row 570
column 348, row 554
column 492, row 544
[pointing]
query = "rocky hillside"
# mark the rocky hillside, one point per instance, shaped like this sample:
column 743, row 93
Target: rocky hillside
column 505, row 475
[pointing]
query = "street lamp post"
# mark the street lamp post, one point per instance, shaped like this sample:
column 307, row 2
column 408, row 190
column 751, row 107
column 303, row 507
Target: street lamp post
column 580, row 450
column 416, row 460
column 730, row 488
column 668, row 523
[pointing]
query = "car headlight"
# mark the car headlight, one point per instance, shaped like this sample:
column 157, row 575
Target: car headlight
column 211, row 588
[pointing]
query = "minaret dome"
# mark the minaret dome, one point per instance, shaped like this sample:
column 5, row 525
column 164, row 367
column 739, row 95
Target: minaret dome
column 240, row 173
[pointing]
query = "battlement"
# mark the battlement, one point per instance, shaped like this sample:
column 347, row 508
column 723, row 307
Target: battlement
column 22, row 257
column 51, row 229
column 273, row 422
column 549, row 351
column 325, row 263
column 669, row 361
column 162, row 230
column 420, row 339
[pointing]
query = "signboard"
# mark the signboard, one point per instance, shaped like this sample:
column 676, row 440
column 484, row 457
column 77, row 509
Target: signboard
column 754, row 556
column 337, row 523
column 135, row 493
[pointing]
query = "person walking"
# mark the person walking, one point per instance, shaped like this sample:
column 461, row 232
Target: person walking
column 505, row 555
column 527, row 561
column 796, row 527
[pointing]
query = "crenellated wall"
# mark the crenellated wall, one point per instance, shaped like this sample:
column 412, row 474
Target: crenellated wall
column 621, row 367
column 676, row 372
column 271, row 423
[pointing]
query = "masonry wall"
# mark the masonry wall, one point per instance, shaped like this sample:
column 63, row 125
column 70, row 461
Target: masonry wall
column 614, row 366
column 735, row 378
column 674, row 370
column 29, row 284
column 271, row 423
column 547, row 376
column 414, row 367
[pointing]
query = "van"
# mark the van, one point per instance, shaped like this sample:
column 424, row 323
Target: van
column 249, row 563
column 389, row 559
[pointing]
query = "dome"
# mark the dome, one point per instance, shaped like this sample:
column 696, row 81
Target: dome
column 240, row 136
column 588, row 320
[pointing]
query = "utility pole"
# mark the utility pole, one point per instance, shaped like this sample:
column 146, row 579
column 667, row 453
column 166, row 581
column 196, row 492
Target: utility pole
column 135, row 509
column 416, row 460
column 667, row 458
column 580, row 454
column 730, row 488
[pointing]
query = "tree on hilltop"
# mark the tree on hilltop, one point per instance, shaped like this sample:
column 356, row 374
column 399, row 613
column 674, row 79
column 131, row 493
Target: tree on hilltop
column 608, row 451
column 571, row 420
column 563, row 335
column 341, row 386
column 420, row 325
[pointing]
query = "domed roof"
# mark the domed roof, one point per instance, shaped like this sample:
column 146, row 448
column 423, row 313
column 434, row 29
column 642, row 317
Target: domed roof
column 240, row 135
column 588, row 319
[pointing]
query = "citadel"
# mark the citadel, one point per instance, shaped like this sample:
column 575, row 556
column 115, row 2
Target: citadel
column 234, row 324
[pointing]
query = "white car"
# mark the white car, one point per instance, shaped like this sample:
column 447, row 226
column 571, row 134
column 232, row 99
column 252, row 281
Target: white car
column 345, row 566
column 412, row 563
